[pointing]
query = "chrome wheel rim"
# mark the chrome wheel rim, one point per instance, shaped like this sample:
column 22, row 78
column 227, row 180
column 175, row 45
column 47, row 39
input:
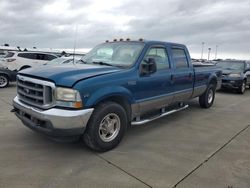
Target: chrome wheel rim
column 243, row 87
column 210, row 96
column 3, row 81
column 109, row 127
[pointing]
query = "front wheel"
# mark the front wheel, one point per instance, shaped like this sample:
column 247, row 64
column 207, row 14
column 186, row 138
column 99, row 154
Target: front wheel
column 4, row 81
column 106, row 127
column 207, row 99
column 242, row 89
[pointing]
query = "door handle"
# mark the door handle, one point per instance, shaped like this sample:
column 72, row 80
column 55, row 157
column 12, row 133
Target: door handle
column 172, row 77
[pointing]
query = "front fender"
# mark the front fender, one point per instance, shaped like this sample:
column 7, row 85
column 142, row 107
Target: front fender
column 211, row 78
column 107, row 92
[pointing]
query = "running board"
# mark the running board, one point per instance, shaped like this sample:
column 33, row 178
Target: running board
column 157, row 117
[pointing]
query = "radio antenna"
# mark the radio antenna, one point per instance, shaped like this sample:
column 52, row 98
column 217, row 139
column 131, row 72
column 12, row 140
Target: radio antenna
column 75, row 44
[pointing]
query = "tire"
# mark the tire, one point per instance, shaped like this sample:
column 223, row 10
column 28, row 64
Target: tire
column 206, row 100
column 108, row 117
column 4, row 80
column 242, row 89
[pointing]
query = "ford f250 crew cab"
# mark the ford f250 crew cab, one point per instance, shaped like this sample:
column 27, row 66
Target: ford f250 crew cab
column 115, row 85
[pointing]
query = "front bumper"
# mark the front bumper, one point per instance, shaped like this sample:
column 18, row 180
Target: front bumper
column 231, row 84
column 53, row 122
column 219, row 84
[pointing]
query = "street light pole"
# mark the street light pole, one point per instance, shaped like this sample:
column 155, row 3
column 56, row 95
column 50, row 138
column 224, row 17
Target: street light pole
column 202, row 49
column 216, row 50
column 209, row 50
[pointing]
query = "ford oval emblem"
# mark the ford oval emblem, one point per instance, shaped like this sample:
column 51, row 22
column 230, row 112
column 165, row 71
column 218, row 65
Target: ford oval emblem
column 26, row 90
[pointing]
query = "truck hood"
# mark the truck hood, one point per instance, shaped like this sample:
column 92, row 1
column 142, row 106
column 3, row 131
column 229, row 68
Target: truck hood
column 67, row 75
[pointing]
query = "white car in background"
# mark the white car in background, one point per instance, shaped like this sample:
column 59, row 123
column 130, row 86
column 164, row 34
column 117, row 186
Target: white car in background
column 16, row 61
column 63, row 60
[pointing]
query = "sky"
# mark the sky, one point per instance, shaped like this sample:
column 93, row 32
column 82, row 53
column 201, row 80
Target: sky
column 59, row 23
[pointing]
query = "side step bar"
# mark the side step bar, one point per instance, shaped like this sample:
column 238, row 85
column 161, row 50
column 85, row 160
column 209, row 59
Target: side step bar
column 157, row 117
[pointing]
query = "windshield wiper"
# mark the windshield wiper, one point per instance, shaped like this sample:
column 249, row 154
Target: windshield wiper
column 84, row 62
column 101, row 63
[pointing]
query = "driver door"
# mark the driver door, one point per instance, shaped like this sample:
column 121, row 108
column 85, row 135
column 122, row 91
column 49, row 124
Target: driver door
column 155, row 90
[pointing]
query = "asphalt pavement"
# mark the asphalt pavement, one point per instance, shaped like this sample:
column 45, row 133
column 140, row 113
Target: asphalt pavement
column 196, row 147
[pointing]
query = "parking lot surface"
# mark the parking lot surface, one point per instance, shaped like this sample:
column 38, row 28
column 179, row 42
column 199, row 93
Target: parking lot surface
column 193, row 148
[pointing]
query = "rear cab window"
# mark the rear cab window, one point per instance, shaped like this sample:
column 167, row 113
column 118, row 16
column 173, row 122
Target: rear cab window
column 180, row 57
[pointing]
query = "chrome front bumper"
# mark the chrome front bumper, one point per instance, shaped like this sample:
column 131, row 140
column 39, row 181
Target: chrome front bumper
column 52, row 121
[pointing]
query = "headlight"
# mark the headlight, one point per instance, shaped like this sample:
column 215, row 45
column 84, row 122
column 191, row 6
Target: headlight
column 235, row 75
column 68, row 97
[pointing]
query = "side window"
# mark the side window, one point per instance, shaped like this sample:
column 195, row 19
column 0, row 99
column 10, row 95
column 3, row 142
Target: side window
column 180, row 58
column 160, row 56
column 27, row 55
column 10, row 54
column 40, row 56
column 48, row 57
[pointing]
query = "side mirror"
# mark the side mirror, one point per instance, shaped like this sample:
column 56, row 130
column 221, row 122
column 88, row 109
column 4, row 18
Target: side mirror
column 247, row 70
column 149, row 67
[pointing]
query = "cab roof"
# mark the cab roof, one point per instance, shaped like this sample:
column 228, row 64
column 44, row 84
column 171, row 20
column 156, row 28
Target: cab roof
column 150, row 42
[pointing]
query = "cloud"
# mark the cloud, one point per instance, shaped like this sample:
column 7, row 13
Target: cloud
column 53, row 23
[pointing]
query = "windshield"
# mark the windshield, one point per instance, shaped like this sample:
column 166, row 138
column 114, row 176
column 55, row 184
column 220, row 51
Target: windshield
column 122, row 54
column 229, row 65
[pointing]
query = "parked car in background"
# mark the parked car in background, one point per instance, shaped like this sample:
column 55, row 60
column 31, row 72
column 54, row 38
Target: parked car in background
column 116, row 84
column 2, row 54
column 16, row 61
column 6, row 76
column 235, row 74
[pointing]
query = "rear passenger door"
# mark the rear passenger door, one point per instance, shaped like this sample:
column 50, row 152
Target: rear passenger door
column 26, row 58
column 183, row 74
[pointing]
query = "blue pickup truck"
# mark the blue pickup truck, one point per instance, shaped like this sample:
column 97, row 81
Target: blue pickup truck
column 115, row 85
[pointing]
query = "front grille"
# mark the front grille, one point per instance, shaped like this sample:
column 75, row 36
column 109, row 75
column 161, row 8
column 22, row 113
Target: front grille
column 35, row 92
column 225, row 81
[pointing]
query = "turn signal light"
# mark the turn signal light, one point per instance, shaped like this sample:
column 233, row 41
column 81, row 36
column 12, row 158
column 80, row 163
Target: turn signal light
column 78, row 104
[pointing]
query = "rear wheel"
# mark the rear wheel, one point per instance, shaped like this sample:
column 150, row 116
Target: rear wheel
column 106, row 127
column 4, row 80
column 242, row 89
column 207, row 99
